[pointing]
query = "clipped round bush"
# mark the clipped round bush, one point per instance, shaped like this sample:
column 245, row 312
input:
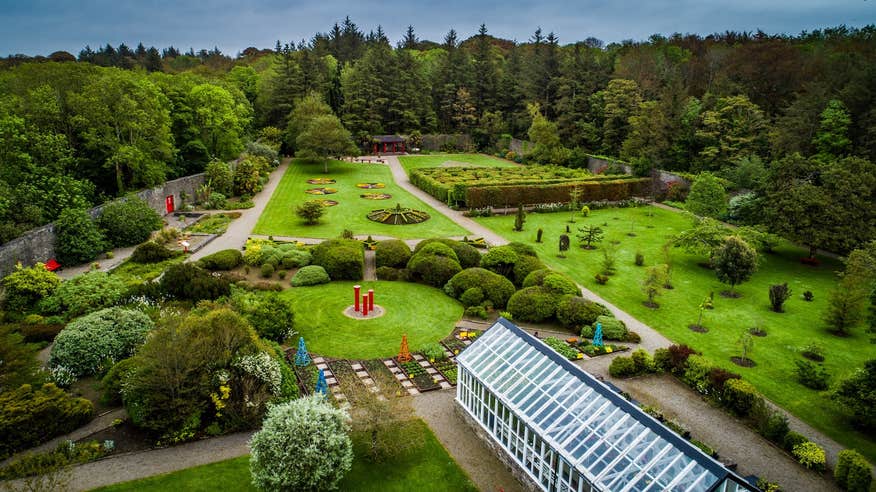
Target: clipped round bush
column 496, row 288
column 622, row 367
column 536, row 277
column 501, row 260
column 304, row 445
column 472, row 297
column 77, row 237
column 810, row 455
column 343, row 259
column 85, row 293
column 522, row 249
column 438, row 249
column 852, row 471
column 612, row 328
column 112, row 334
column 310, row 275
column 575, row 311
column 295, row 258
column 151, row 252
column 524, row 266
column 534, row 304
column 393, row 253
column 739, row 396
column 267, row 270
column 128, row 222
column 560, row 284
column 186, row 281
column 467, row 255
column 433, row 269
column 393, row 274
column 227, row 259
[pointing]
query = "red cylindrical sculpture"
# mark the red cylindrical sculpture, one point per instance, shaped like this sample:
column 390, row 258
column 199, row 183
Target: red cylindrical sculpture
column 356, row 289
column 365, row 305
column 371, row 299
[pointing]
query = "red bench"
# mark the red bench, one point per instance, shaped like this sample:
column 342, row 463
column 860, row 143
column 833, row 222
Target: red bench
column 52, row 265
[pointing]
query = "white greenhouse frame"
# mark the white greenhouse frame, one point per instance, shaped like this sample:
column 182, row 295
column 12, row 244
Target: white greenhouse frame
column 570, row 432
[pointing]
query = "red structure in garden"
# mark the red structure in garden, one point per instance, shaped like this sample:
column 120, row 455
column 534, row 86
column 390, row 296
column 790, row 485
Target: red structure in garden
column 404, row 353
column 387, row 144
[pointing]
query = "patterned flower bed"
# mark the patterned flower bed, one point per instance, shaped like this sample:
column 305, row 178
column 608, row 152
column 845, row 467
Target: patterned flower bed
column 370, row 186
column 416, row 373
column 325, row 202
column 375, row 196
column 398, row 216
column 321, row 191
column 321, row 181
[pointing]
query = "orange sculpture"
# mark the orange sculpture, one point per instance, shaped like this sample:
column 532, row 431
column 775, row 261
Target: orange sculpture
column 404, row 353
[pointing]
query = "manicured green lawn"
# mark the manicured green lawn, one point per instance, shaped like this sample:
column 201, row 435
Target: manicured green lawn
column 279, row 218
column 428, row 468
column 424, row 313
column 410, row 162
column 774, row 354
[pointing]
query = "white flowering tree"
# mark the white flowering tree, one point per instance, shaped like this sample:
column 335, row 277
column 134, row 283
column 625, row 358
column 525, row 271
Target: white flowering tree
column 304, row 445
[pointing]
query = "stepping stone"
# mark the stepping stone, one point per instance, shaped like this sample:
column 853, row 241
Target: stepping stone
column 373, row 389
column 389, row 363
column 368, row 382
column 424, row 363
column 362, row 374
column 331, row 381
column 318, row 360
column 357, row 367
column 407, row 384
column 445, row 385
column 413, row 391
column 324, row 367
column 419, row 357
column 335, row 389
column 401, row 377
column 395, row 370
column 431, row 370
column 381, row 398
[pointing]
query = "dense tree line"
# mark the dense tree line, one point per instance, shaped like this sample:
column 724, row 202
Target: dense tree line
column 734, row 104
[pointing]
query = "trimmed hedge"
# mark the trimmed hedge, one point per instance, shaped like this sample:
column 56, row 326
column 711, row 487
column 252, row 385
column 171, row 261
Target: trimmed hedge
column 310, row 275
column 295, row 258
column 190, row 282
column 152, row 252
column 612, row 328
column 226, row 259
column 467, row 255
column 739, row 396
column 29, row 416
column 128, row 222
column 393, row 274
column 392, row 253
column 524, row 266
column 343, row 259
column 501, row 260
column 496, row 288
column 575, row 311
column 433, row 269
column 534, row 304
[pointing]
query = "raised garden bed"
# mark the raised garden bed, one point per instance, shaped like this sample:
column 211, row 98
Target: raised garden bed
column 448, row 369
column 307, row 376
column 593, row 351
column 563, row 348
column 383, row 378
column 418, row 375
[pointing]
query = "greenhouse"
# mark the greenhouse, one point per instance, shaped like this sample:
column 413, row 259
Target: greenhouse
column 569, row 432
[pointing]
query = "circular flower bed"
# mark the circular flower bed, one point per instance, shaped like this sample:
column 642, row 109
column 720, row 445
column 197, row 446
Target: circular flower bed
column 325, row 202
column 370, row 186
column 321, row 191
column 376, row 196
column 321, row 181
column 398, row 216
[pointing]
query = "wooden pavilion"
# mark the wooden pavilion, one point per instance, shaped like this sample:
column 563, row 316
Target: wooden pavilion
column 387, row 144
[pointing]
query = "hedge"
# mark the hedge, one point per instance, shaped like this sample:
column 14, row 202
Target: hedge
column 433, row 269
column 852, row 471
column 574, row 311
column 612, row 328
column 152, row 252
column 739, row 396
column 524, row 266
column 393, row 274
column 310, row 275
column 496, row 288
column 534, row 304
column 343, row 259
column 226, row 259
column 467, row 254
column 392, row 253
column 29, row 416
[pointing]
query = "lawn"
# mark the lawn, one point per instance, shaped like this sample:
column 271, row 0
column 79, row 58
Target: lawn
column 411, row 162
column 426, row 469
column 774, row 354
column 424, row 313
column 279, row 218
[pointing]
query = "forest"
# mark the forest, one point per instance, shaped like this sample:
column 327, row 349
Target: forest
column 788, row 122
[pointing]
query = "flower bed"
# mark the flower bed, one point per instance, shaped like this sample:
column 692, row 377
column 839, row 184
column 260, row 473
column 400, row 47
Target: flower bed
column 321, row 181
column 417, row 373
column 398, row 216
column 453, row 344
column 321, row 191
column 375, row 196
column 307, row 376
column 448, row 369
column 370, row 186
column 383, row 378
column 563, row 348
column 593, row 351
column 326, row 202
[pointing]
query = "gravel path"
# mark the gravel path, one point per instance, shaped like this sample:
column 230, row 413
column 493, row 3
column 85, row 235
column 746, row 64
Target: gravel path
column 481, row 465
column 370, row 273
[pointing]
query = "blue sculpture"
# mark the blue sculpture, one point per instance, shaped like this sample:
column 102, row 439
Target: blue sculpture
column 302, row 358
column 321, row 385
column 597, row 336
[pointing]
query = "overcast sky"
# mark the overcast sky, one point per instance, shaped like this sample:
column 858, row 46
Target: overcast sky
column 40, row 27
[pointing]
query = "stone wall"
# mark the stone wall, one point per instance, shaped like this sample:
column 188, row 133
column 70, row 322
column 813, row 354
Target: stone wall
column 38, row 245
column 497, row 449
column 520, row 147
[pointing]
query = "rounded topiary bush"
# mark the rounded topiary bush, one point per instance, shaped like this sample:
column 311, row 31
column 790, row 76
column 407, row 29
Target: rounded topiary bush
column 226, row 259
column 612, row 328
column 438, row 249
column 501, row 260
column 109, row 335
column 393, row 274
column 296, row 258
column 536, row 277
column 852, row 471
column 304, row 445
column 343, row 259
column 267, row 270
column 495, row 287
column 622, row 367
column 467, row 255
column 522, row 249
column 534, row 304
column 151, row 252
column 524, row 266
column 472, row 297
column 575, row 311
column 433, row 269
column 77, row 237
column 310, row 275
column 128, row 222
column 392, row 253
column 560, row 284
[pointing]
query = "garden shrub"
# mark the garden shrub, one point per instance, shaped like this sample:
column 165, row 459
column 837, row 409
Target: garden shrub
column 536, row 277
column 245, row 180
column 811, row 375
column 524, row 266
column 152, row 252
column 433, row 269
column 501, row 260
column 227, row 259
column 674, row 358
column 66, row 453
column 534, row 304
column 310, row 275
column 662, row 360
column 476, row 312
column 496, row 288
column 612, row 328
column 739, row 396
column 303, row 445
column 393, row 253
column 85, row 293
column 93, row 343
column 433, row 352
column 343, row 259
column 574, row 311
column 393, row 274
column 270, row 314
column 310, row 212
column 29, row 416
column 257, row 250
column 25, row 287
column 220, row 177
column 770, row 423
column 522, row 249
column 467, row 255
column 295, row 258
column 696, row 374
column 643, row 361
column 810, row 455
column 128, row 222
column 186, row 281
column 718, row 377
column 111, row 384
column 77, row 237
column 560, row 284
column 857, row 394
column 792, row 439
column 39, row 332
column 267, row 270
column 437, row 249
column 852, row 472
column 622, row 367
column 262, row 285
column 472, row 297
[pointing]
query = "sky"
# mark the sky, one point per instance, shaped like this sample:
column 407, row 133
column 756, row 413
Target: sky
column 35, row 27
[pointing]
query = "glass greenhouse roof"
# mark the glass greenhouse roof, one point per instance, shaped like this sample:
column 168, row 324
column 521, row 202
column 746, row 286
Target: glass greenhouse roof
column 609, row 440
